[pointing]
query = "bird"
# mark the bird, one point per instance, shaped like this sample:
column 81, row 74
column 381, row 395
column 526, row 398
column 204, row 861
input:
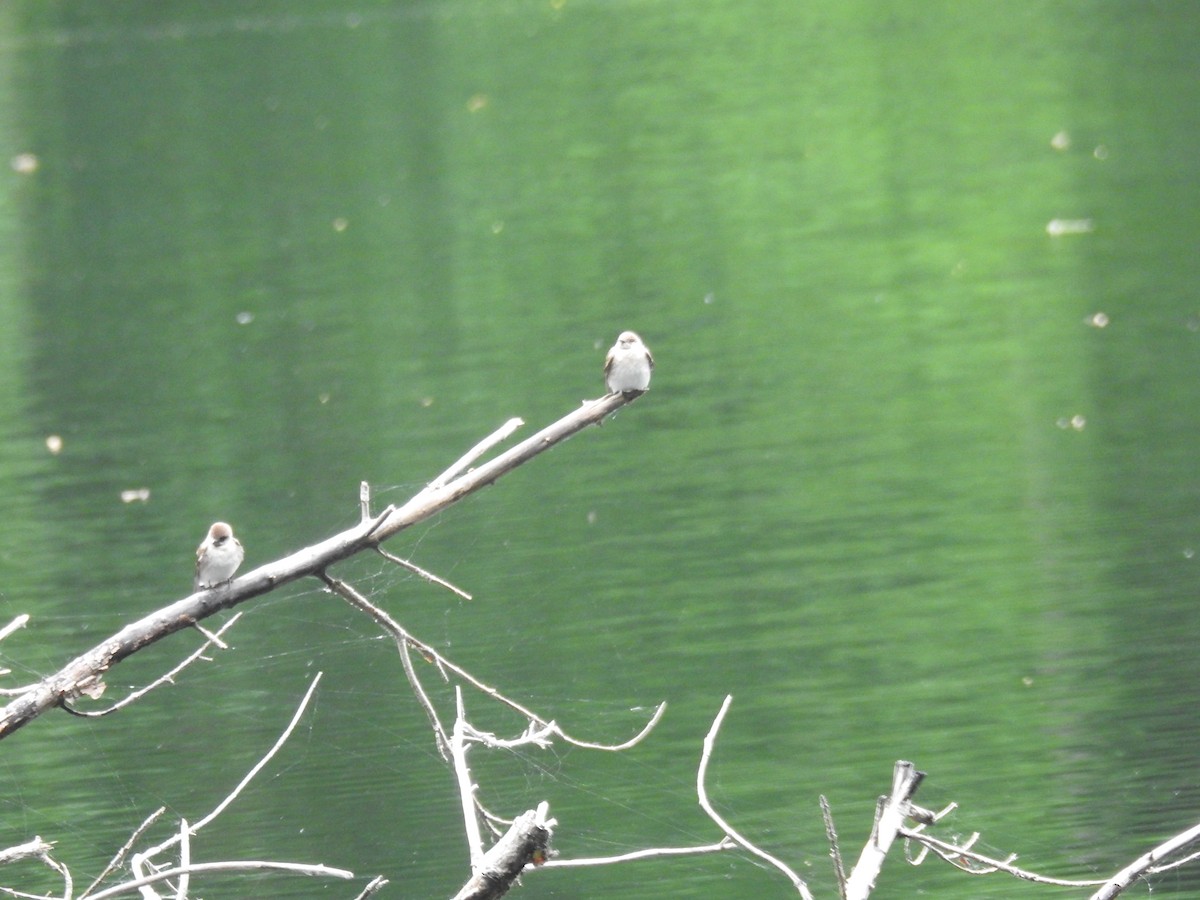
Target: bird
column 217, row 557
column 627, row 366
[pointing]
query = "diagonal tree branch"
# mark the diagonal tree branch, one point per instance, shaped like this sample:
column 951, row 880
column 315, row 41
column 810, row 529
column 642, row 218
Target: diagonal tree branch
column 85, row 671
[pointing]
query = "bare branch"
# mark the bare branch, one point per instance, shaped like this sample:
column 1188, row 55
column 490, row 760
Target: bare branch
column 428, row 576
column 431, row 501
column 28, row 850
column 19, row 622
column 240, row 865
column 498, row 436
column 364, row 501
column 40, row 850
column 69, row 706
column 961, row 856
column 659, row 712
column 1145, row 863
column 119, row 856
column 185, row 859
column 403, row 637
column 403, row 642
column 702, row 794
column 726, row 843
column 889, row 821
column 835, row 852
column 246, row 779
column 87, row 668
column 1167, row 867
column 466, row 790
column 376, row 885
column 63, row 871
column 526, row 842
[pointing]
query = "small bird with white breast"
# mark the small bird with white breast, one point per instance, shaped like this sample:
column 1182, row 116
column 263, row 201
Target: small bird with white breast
column 217, row 557
column 628, row 365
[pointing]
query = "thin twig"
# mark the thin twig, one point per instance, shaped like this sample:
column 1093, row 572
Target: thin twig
column 19, row 622
column 37, row 849
column 239, row 865
column 403, row 642
column 955, row 854
column 423, row 573
column 709, row 742
column 434, row 500
column 377, row 884
column 87, row 667
column 537, row 735
column 726, row 843
column 435, row 722
column 834, row 851
column 398, row 633
column 247, row 778
column 119, row 856
column 162, row 679
column 27, row 850
column 1143, row 864
column 185, row 859
column 62, row 870
column 211, row 637
column 500, row 434
column 466, row 790
column 1167, row 867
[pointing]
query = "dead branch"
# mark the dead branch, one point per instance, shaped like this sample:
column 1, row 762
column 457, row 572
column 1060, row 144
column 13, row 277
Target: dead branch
column 725, row 843
column 165, row 678
column 374, row 887
column 527, row 842
column 233, row 865
column 889, row 820
column 404, row 639
column 835, row 852
column 119, row 856
column 29, row 850
column 86, row 670
column 18, row 622
column 466, row 787
column 422, row 573
column 140, row 860
column 962, row 856
column 39, row 850
column 1146, row 863
column 147, row 873
column 702, row 794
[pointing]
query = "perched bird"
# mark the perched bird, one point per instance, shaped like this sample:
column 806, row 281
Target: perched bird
column 628, row 364
column 217, row 557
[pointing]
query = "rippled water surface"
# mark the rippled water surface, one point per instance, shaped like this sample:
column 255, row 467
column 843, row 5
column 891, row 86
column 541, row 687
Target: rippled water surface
column 916, row 478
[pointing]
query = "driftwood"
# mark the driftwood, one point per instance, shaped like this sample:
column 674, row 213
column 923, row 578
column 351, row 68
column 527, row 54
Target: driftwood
column 82, row 676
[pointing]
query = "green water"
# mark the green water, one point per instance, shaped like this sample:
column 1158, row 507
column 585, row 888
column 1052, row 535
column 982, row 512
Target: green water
column 916, row 478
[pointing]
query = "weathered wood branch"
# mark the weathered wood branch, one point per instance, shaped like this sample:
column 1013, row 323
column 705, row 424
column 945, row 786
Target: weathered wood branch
column 526, row 842
column 84, row 672
column 1147, row 863
column 889, row 821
